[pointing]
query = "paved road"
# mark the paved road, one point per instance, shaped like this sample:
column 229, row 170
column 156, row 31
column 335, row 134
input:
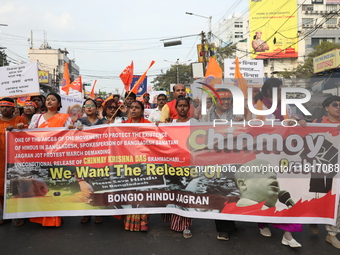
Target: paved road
column 110, row 238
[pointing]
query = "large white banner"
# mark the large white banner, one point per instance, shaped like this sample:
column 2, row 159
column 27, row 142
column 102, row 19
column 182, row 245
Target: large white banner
column 19, row 80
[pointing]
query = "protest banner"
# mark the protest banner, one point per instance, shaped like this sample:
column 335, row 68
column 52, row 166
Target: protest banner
column 192, row 170
column 19, row 80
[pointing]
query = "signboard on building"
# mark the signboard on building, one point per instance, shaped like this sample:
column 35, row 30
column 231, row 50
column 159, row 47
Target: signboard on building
column 326, row 61
column 43, row 76
column 19, row 80
column 252, row 71
column 273, row 29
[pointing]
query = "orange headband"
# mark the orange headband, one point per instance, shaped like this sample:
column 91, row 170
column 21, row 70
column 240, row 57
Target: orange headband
column 224, row 94
column 30, row 103
column 6, row 103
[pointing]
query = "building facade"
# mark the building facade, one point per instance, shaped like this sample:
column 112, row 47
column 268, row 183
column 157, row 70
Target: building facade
column 52, row 60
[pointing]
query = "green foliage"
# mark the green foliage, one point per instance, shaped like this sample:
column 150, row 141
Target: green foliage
column 164, row 80
column 305, row 69
column 3, row 58
column 225, row 52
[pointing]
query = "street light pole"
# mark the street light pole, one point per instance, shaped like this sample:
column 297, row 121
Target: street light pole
column 209, row 18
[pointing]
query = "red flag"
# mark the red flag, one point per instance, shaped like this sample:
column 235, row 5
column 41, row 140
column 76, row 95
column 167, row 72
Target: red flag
column 77, row 84
column 239, row 80
column 66, row 80
column 213, row 75
column 126, row 76
column 92, row 90
column 141, row 79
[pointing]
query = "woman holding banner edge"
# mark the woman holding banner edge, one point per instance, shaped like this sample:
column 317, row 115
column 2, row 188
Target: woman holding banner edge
column 52, row 118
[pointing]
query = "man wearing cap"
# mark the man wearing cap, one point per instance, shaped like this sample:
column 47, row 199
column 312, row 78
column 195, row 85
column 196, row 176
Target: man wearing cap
column 146, row 101
column 225, row 110
column 169, row 109
column 8, row 121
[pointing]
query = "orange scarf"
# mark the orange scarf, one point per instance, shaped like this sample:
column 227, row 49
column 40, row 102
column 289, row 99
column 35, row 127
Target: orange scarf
column 57, row 120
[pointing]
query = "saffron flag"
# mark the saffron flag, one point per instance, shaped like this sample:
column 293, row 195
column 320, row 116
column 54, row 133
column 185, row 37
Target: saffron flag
column 239, row 80
column 140, row 80
column 213, row 74
column 66, row 80
column 126, row 76
column 92, row 90
column 77, row 84
column 22, row 100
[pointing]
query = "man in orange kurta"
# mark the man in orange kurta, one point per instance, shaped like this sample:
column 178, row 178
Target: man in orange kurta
column 7, row 121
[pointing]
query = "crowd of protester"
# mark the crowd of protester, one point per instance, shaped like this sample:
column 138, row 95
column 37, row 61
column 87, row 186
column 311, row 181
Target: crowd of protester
column 41, row 112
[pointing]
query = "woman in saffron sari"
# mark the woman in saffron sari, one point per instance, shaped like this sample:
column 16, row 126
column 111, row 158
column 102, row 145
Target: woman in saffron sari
column 136, row 222
column 52, row 118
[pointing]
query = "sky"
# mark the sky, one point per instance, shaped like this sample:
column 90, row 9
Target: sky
column 105, row 36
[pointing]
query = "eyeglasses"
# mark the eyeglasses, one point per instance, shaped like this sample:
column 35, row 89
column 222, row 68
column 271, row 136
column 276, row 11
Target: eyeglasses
column 89, row 105
column 112, row 108
column 28, row 107
column 334, row 104
column 161, row 99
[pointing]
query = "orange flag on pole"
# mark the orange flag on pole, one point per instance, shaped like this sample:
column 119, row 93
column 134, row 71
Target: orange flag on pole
column 213, row 74
column 126, row 76
column 140, row 80
column 77, row 84
column 239, row 80
column 92, row 90
column 66, row 80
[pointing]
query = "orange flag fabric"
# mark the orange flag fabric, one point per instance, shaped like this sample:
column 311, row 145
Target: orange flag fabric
column 92, row 90
column 141, row 79
column 239, row 79
column 213, row 74
column 126, row 76
column 77, row 84
column 66, row 79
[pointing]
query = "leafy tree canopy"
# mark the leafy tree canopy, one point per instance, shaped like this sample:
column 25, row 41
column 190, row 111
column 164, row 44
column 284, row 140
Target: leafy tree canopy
column 163, row 81
column 305, row 69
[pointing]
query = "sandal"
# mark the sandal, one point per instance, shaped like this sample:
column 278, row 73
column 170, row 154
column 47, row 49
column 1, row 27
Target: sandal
column 98, row 219
column 85, row 219
column 19, row 222
column 187, row 233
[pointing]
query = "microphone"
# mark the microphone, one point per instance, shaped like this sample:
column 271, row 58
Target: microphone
column 285, row 198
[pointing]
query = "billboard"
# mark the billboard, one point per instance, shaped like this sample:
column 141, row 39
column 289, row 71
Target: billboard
column 273, row 29
column 326, row 61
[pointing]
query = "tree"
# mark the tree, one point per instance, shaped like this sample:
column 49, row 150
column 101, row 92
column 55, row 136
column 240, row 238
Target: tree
column 3, row 58
column 163, row 81
column 225, row 52
column 305, row 69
